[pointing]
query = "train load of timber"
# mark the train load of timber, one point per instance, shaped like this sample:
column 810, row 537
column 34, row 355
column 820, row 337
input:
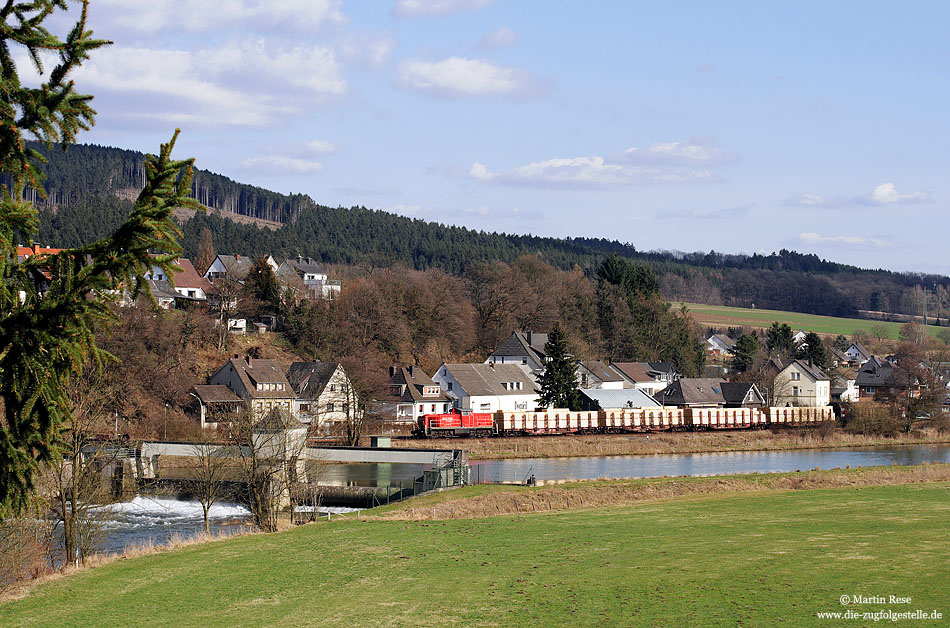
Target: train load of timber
column 615, row 420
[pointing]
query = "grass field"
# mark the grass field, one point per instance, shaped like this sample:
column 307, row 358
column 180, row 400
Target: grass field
column 723, row 316
column 762, row 558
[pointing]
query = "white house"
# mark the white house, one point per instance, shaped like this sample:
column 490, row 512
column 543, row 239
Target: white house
column 487, row 387
column 650, row 377
column 857, row 354
column 799, row 337
column 593, row 374
column 323, row 392
column 413, row 394
column 260, row 383
column 720, row 344
column 311, row 275
column 798, row 383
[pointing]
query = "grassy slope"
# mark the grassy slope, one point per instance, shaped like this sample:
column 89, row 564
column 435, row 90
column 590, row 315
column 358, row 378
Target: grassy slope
column 757, row 559
column 721, row 316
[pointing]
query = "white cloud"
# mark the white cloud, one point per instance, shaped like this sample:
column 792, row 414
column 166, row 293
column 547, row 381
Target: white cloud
column 499, row 38
column 280, row 163
column 845, row 240
column 811, row 200
column 692, row 152
column 414, row 8
column 887, row 194
column 322, row 147
column 725, row 213
column 373, row 50
column 201, row 15
column 466, row 214
column 663, row 163
column 479, row 171
column 458, row 76
column 884, row 194
column 246, row 84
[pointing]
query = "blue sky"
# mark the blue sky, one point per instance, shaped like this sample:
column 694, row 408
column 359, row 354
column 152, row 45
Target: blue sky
column 740, row 127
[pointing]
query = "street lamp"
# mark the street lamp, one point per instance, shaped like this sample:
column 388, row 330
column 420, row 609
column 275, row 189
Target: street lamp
column 201, row 408
column 165, row 414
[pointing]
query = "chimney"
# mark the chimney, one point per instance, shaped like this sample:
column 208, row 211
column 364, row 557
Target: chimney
column 237, row 355
column 237, row 257
column 528, row 336
column 250, row 362
column 412, row 371
column 392, row 371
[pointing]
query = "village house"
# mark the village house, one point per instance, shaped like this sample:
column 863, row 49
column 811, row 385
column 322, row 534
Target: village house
column 799, row 383
column 322, row 392
column 412, row 394
column 844, row 386
column 881, row 378
column 526, row 349
column 650, row 377
column 487, row 387
column 216, row 404
column 309, row 276
column 857, row 355
column 720, row 344
column 706, row 392
column 593, row 399
column 232, row 267
column 189, row 284
column 596, row 374
column 260, row 383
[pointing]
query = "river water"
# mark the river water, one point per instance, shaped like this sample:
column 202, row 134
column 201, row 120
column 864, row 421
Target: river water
column 158, row 520
column 717, row 463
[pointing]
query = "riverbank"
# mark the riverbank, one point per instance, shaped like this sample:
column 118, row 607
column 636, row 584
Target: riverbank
column 765, row 556
column 491, row 500
column 569, row 446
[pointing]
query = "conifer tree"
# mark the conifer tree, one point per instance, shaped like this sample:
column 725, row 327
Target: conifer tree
column 50, row 305
column 747, row 347
column 262, row 284
column 558, row 382
column 205, row 257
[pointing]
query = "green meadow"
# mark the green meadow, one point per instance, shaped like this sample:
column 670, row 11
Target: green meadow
column 724, row 316
column 761, row 558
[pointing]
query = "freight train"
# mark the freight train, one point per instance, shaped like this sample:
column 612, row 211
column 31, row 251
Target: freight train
column 614, row 421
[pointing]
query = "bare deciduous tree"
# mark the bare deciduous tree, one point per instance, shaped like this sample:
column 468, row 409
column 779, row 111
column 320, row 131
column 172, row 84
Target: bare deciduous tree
column 211, row 468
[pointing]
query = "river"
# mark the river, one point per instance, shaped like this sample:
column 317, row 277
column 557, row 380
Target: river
column 699, row 464
column 158, row 520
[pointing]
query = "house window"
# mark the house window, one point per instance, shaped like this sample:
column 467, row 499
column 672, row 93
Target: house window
column 524, row 360
column 519, row 385
column 485, row 406
column 395, row 390
column 305, row 407
column 421, row 408
column 869, row 390
column 796, row 376
column 330, row 407
column 332, row 387
column 433, row 408
column 450, row 385
column 795, row 391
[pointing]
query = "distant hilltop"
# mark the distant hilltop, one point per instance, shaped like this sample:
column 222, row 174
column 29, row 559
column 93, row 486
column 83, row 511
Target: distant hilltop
column 90, row 189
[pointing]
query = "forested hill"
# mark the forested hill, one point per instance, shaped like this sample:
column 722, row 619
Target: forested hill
column 88, row 188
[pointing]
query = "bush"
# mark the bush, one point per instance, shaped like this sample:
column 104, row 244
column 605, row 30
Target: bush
column 873, row 419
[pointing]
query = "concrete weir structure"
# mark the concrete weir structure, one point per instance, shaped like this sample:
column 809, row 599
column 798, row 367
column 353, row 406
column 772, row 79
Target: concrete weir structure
column 435, row 457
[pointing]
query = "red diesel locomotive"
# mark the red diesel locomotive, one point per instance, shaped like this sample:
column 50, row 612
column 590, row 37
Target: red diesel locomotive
column 456, row 423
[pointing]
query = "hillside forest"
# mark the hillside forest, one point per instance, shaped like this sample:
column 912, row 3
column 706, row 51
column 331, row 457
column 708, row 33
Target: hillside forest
column 88, row 188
